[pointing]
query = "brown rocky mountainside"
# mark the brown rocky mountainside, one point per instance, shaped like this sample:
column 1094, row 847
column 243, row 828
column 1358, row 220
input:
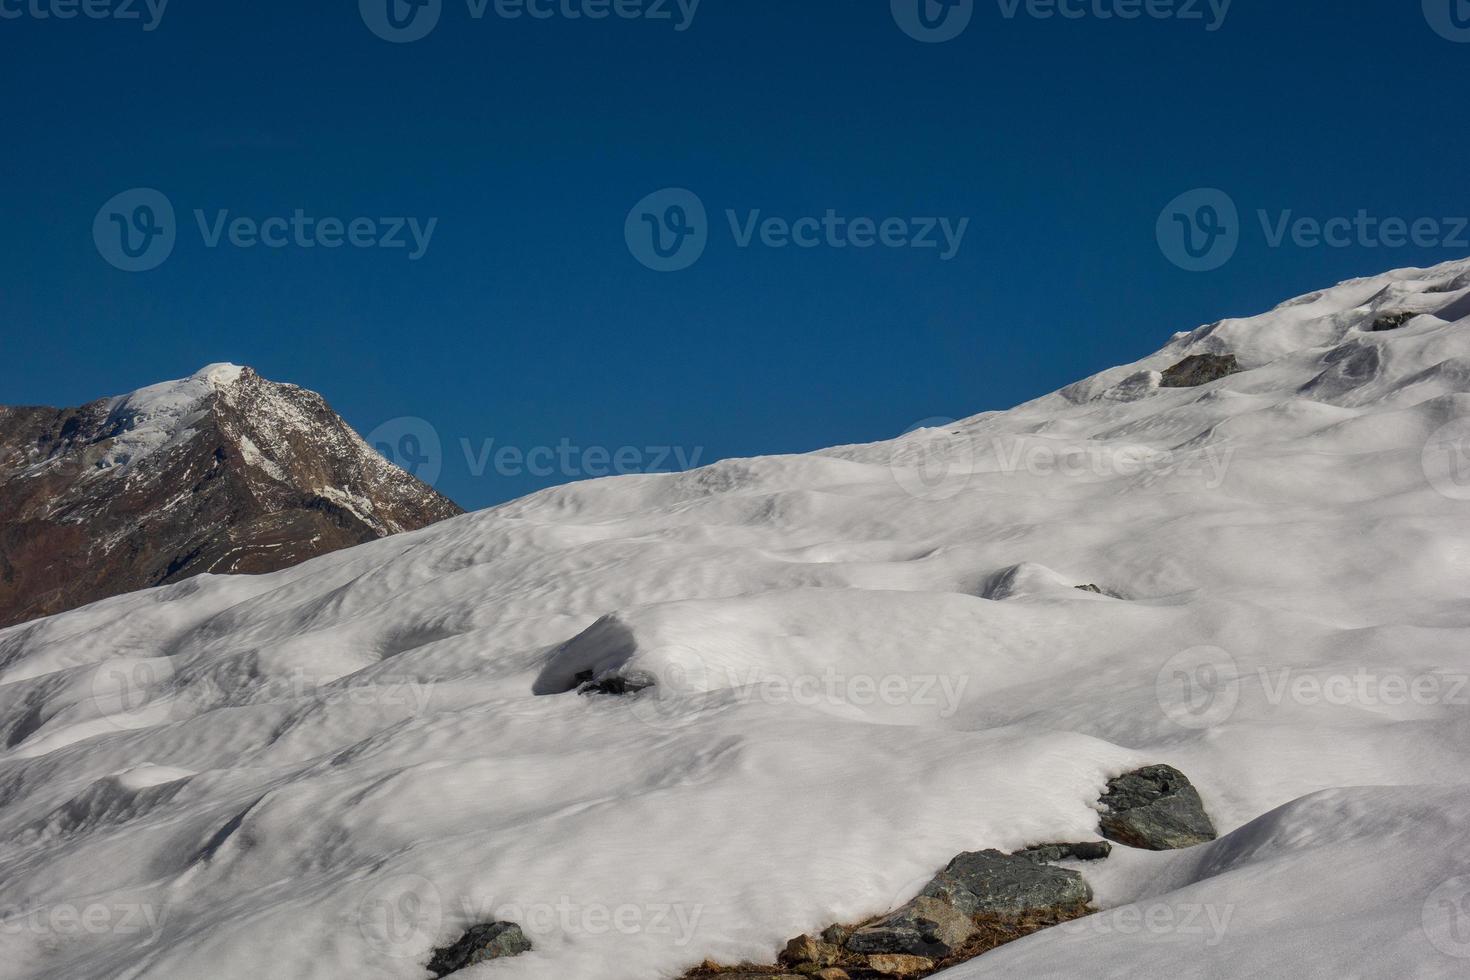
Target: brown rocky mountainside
column 221, row 472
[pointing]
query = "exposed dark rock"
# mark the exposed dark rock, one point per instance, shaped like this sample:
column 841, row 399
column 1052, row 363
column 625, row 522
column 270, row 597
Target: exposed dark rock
column 1391, row 321
column 1099, row 590
column 836, row 934
column 941, row 920
column 981, row 901
column 1200, row 369
column 806, row 949
column 616, row 685
column 1007, row 884
column 481, row 943
column 1157, row 809
column 1049, row 853
column 226, row 472
column 928, row 927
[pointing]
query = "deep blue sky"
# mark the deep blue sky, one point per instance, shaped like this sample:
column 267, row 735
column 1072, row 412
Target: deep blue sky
column 529, row 322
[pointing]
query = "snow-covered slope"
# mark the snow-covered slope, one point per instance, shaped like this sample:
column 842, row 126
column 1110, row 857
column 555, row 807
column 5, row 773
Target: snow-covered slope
column 867, row 660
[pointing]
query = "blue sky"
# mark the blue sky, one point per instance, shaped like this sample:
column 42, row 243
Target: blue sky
column 529, row 320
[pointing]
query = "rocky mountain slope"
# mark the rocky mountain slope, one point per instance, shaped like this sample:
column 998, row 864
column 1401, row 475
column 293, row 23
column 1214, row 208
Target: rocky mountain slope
column 625, row 726
column 221, row 472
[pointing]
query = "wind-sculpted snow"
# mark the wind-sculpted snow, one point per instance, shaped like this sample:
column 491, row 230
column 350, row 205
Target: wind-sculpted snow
column 865, row 661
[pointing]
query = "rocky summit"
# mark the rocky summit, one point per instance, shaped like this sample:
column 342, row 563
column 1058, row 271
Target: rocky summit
column 222, row 472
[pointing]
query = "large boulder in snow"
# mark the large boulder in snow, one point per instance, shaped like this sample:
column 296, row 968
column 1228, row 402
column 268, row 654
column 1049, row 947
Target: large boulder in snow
column 1155, row 808
column 989, row 882
column 480, row 944
column 979, row 883
column 1200, row 369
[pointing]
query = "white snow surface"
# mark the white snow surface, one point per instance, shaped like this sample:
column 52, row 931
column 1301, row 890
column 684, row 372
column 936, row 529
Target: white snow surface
column 161, row 415
column 868, row 660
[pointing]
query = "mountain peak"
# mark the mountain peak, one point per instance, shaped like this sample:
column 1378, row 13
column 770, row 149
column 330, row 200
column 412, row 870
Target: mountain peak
column 221, row 374
column 223, row 471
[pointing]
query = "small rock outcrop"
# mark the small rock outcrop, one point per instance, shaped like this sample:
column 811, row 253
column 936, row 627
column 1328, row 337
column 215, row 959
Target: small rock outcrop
column 805, row 949
column 1200, row 369
column 928, row 927
column 899, row 965
column 1051, row 853
column 1155, row 808
column 1391, row 321
column 491, row 941
column 616, row 685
